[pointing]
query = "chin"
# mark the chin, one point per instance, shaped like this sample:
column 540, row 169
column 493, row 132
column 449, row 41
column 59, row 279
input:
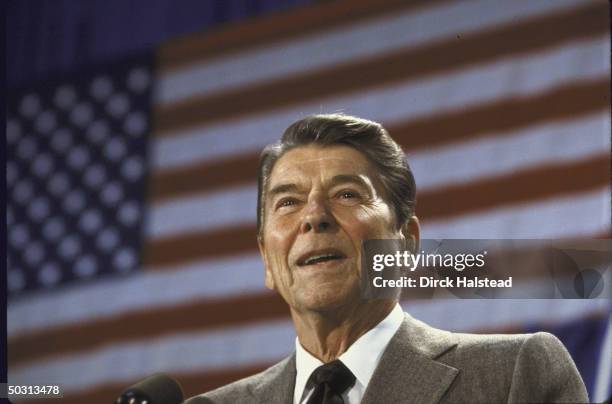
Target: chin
column 327, row 299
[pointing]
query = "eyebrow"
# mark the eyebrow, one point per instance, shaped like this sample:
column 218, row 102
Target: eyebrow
column 336, row 180
column 348, row 178
column 281, row 189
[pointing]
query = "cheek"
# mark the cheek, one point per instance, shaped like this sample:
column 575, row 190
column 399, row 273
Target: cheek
column 279, row 235
column 363, row 223
column 277, row 243
column 277, row 251
column 282, row 224
column 277, row 223
column 359, row 224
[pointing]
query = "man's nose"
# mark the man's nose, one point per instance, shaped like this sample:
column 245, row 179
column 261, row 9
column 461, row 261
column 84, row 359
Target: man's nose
column 317, row 217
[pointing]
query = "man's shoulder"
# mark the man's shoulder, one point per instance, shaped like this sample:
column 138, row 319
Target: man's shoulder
column 487, row 345
column 510, row 344
column 485, row 348
column 514, row 367
column 242, row 390
column 539, row 345
column 532, row 367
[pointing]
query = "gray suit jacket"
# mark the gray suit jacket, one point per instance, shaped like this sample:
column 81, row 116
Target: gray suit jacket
column 424, row 365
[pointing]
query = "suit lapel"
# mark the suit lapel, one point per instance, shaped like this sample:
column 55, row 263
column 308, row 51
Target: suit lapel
column 408, row 371
column 277, row 386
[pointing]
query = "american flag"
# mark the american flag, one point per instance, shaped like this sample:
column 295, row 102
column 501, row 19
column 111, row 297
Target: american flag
column 76, row 176
column 131, row 230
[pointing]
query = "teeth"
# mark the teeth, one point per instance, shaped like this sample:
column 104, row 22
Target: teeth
column 310, row 260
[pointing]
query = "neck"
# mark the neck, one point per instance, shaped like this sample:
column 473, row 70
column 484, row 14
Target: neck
column 328, row 334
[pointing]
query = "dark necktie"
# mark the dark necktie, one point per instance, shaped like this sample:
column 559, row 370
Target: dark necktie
column 329, row 382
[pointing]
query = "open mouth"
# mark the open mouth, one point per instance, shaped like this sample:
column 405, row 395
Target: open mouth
column 319, row 257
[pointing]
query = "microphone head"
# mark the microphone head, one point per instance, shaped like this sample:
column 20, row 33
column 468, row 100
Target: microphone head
column 155, row 389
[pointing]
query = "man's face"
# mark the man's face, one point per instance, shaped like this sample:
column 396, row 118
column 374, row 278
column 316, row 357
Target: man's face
column 322, row 202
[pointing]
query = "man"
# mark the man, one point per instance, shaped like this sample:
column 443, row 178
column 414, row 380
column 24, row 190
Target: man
column 331, row 182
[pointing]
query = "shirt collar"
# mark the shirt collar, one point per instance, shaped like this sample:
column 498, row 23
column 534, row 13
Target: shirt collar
column 305, row 364
column 361, row 358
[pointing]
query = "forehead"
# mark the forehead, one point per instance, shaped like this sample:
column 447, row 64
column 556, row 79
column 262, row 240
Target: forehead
column 310, row 161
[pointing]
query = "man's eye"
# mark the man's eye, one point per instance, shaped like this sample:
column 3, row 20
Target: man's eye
column 286, row 202
column 348, row 194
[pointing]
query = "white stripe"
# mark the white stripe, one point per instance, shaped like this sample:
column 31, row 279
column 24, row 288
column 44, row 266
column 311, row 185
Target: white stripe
column 226, row 278
column 503, row 153
column 146, row 290
column 568, row 216
column 242, row 346
column 188, row 352
column 603, row 381
column 231, row 207
column 398, row 102
column 363, row 40
column 488, row 314
column 497, row 154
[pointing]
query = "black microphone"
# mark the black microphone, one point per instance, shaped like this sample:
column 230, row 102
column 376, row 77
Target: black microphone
column 155, row 389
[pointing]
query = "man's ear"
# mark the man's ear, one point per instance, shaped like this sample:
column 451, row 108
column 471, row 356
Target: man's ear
column 269, row 279
column 411, row 230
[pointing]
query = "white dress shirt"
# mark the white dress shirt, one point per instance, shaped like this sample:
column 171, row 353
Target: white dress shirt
column 361, row 358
